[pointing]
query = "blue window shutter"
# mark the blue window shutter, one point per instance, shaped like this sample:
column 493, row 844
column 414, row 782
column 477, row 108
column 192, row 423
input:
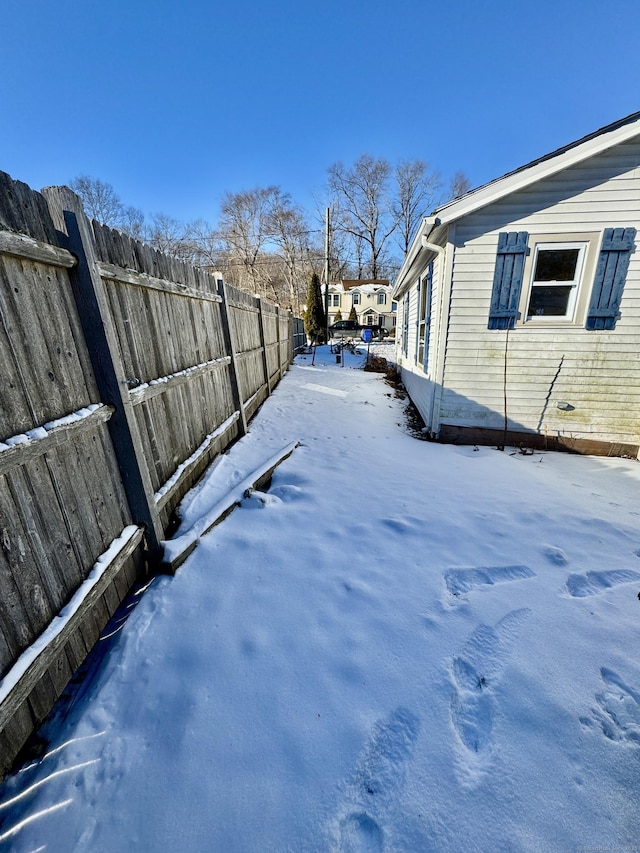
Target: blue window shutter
column 611, row 274
column 507, row 279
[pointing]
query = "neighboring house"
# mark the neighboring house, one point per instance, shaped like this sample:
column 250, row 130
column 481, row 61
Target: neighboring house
column 371, row 299
column 519, row 304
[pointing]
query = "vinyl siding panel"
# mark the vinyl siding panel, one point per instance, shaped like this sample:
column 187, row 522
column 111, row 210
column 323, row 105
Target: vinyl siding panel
column 598, row 373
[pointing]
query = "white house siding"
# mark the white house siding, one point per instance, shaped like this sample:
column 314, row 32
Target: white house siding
column 596, row 372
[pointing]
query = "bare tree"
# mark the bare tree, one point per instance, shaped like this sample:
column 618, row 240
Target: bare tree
column 208, row 247
column 132, row 222
column 99, row 199
column 362, row 194
column 172, row 237
column 415, row 195
column 460, row 184
column 291, row 236
column 244, row 230
column 101, row 202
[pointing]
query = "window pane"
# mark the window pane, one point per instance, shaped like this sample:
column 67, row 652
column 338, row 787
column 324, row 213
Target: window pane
column 556, row 264
column 549, row 301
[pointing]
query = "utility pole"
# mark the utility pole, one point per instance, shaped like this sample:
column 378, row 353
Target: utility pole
column 327, row 237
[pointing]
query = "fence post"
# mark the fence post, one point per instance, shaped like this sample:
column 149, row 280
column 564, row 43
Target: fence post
column 102, row 343
column 230, row 348
column 263, row 344
column 279, row 342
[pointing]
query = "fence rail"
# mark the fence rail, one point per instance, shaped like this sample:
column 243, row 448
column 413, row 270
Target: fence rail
column 125, row 372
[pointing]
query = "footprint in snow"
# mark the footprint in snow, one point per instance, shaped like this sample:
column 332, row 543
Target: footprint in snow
column 475, row 673
column 459, row 581
column 378, row 776
column 618, row 711
column 595, row 583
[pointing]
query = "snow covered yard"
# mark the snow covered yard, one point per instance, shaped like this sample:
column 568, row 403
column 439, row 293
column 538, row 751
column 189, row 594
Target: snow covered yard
column 400, row 647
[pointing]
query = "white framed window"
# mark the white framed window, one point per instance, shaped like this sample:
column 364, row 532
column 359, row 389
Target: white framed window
column 335, row 299
column 356, row 298
column 382, row 298
column 424, row 318
column 559, row 270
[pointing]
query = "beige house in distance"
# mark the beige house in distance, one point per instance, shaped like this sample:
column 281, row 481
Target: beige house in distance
column 371, row 299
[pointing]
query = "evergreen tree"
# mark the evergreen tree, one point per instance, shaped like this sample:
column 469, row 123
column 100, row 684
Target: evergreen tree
column 353, row 314
column 338, row 316
column 315, row 323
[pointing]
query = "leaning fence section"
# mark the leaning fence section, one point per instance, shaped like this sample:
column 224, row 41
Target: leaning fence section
column 124, row 374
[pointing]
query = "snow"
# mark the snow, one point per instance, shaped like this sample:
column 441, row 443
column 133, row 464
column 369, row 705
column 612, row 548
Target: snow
column 401, row 646
column 38, row 433
column 162, row 380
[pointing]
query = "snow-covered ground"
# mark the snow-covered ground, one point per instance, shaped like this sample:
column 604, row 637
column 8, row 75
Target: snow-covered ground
column 401, row 646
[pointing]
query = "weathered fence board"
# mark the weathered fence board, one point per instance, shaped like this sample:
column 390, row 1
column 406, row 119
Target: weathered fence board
column 125, row 372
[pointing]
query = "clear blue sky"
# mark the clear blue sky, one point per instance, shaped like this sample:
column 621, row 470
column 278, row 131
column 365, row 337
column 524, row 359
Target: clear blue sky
column 174, row 103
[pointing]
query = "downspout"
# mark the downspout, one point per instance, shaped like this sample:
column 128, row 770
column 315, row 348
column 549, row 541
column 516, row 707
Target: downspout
column 432, row 247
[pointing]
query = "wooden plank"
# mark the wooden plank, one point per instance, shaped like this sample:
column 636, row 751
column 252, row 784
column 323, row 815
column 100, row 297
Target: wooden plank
column 80, row 484
column 128, row 276
column 76, row 650
column 14, row 736
column 16, row 410
column 21, row 246
column 8, row 651
column 60, row 674
column 41, row 698
column 31, row 610
column 263, row 347
column 71, row 365
column 177, row 415
column 230, row 348
column 44, row 347
column 56, row 436
column 28, row 332
column 24, row 210
column 53, row 550
column 14, row 613
column 152, row 448
column 145, row 392
column 135, row 315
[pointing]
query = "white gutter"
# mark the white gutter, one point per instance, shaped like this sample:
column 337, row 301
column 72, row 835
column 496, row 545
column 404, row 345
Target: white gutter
column 419, row 241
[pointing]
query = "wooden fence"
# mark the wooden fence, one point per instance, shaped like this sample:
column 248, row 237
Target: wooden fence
column 124, row 374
